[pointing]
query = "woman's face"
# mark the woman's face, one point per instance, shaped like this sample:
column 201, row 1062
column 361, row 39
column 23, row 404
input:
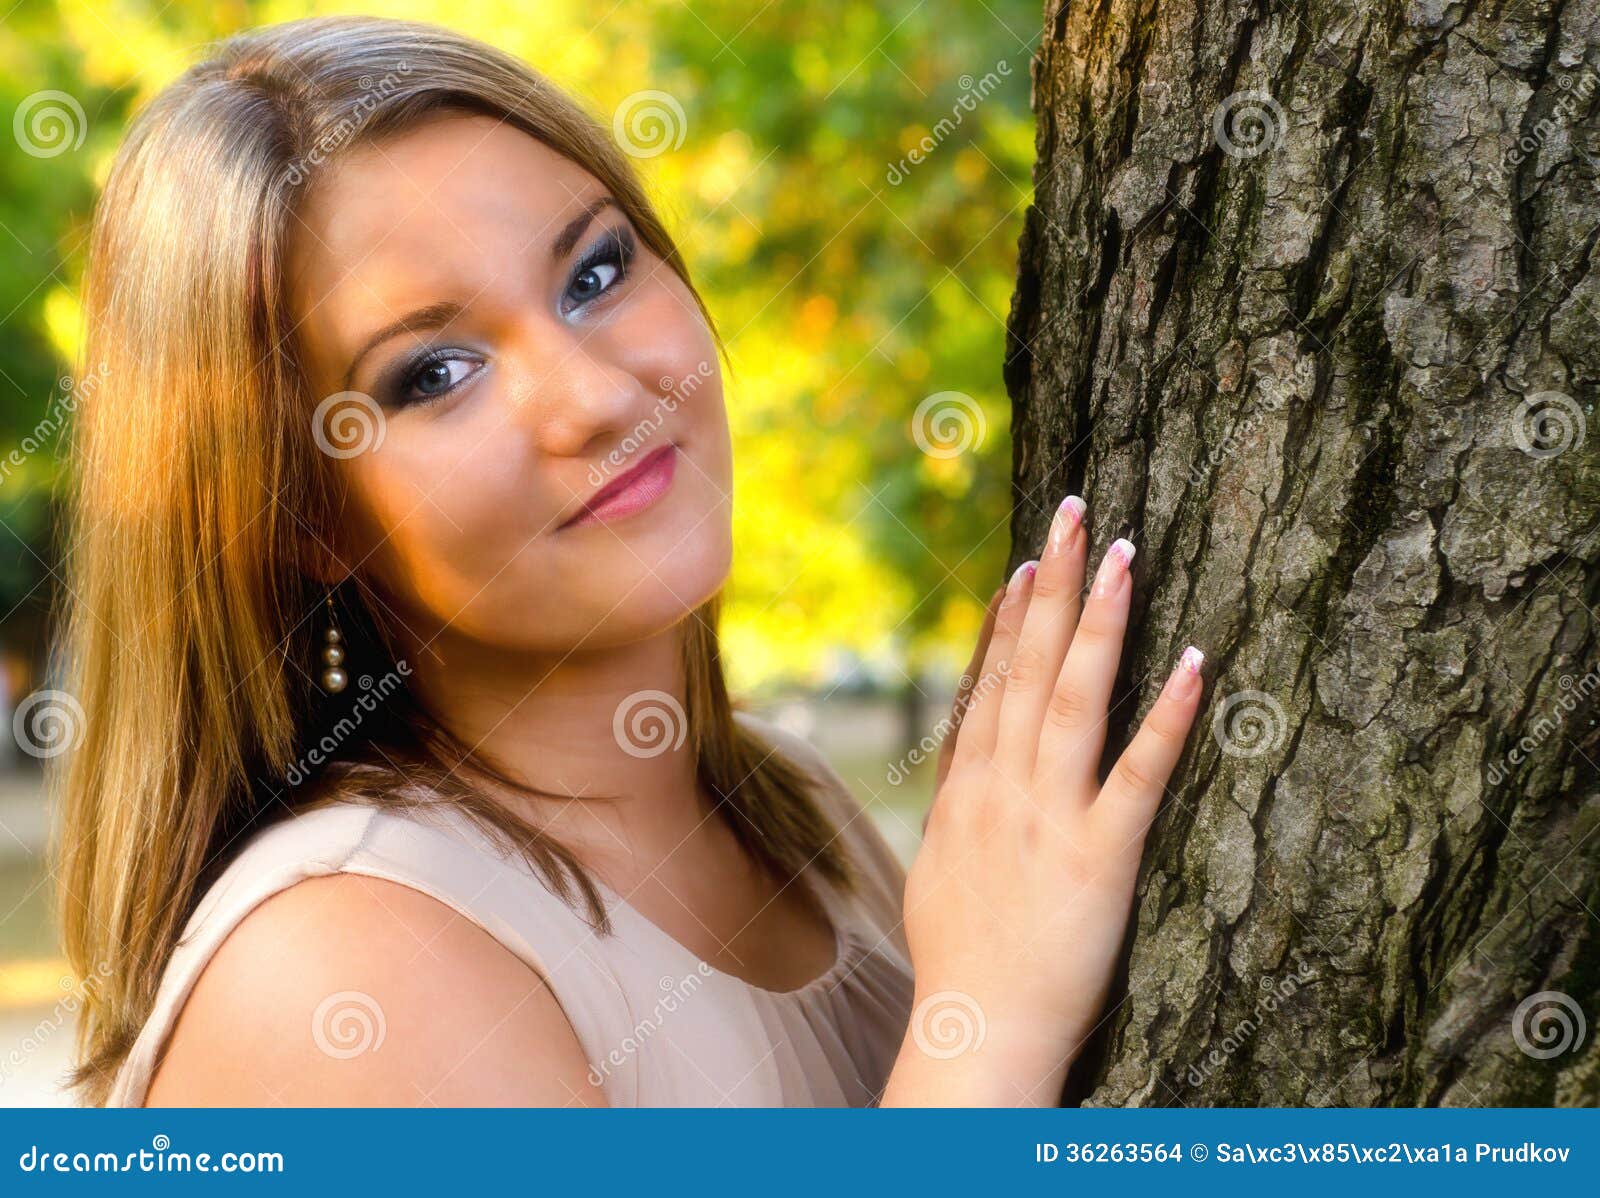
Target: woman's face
column 517, row 349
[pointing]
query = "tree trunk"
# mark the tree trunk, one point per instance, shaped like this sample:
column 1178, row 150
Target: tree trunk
column 1307, row 308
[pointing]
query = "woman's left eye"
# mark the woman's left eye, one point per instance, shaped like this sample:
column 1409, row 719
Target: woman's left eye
column 595, row 279
column 601, row 269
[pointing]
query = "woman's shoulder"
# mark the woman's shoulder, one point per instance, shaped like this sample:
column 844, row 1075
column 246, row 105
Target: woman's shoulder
column 344, row 922
column 295, row 1003
column 323, row 837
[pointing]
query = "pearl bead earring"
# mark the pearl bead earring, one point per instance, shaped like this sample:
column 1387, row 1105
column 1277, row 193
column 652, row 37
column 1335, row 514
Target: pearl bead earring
column 334, row 679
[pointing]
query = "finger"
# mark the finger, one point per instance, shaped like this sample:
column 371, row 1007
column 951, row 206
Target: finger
column 1053, row 610
column 1128, row 802
column 958, row 709
column 976, row 741
column 1074, row 729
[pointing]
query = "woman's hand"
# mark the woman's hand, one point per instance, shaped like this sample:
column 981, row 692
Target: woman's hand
column 1018, row 899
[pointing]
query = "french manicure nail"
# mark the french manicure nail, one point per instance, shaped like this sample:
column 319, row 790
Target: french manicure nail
column 1018, row 577
column 1114, row 566
column 1185, row 679
column 1069, row 516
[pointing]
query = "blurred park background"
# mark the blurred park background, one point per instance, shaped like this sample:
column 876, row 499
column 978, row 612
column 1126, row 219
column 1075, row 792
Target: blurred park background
column 848, row 191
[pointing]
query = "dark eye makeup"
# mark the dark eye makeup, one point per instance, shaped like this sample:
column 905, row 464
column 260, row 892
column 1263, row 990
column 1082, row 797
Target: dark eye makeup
column 434, row 373
column 613, row 252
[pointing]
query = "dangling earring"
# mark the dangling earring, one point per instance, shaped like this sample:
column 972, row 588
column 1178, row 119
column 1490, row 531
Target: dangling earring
column 333, row 678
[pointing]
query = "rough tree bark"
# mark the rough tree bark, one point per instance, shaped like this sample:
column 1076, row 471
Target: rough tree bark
column 1308, row 307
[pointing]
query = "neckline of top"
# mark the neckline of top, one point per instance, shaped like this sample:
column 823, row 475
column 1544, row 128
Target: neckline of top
column 836, row 913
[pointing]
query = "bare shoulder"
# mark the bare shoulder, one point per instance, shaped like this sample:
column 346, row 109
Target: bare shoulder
column 347, row 990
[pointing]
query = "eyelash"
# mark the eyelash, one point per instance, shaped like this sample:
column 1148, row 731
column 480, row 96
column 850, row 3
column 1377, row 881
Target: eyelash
column 616, row 248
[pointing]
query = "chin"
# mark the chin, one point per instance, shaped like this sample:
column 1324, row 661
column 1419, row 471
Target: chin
column 653, row 585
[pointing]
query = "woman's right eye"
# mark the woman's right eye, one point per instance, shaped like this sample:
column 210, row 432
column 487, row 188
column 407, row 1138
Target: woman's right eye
column 434, row 377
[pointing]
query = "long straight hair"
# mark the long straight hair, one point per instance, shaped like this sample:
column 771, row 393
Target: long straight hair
column 192, row 611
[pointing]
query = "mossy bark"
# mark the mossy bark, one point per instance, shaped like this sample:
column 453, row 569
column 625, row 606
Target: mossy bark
column 1308, row 307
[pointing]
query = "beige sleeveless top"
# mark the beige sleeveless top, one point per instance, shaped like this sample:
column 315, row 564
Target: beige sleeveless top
column 659, row 1026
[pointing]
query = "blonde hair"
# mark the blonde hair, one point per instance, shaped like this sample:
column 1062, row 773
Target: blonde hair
column 197, row 488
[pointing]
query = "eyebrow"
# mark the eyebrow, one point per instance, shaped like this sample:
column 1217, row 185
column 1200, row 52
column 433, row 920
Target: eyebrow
column 436, row 316
column 573, row 229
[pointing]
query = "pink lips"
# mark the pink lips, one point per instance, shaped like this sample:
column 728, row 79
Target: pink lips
column 632, row 491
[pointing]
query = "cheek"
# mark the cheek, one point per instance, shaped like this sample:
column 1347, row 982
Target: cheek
column 676, row 344
column 431, row 531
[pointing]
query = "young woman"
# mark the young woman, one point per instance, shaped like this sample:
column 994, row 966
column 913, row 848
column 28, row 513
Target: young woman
column 409, row 773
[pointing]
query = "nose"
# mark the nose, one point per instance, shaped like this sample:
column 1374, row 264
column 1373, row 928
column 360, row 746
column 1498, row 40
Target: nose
column 577, row 401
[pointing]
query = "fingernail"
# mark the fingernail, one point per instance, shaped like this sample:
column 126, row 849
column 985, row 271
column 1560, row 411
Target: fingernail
column 1019, row 578
column 1114, row 567
column 1185, row 679
column 1068, row 518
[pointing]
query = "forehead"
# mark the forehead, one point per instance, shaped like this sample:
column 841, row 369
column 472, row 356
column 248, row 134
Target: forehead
column 433, row 213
